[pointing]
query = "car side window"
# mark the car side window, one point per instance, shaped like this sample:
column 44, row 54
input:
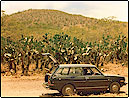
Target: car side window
column 63, row 71
column 86, row 71
column 59, row 71
column 75, row 71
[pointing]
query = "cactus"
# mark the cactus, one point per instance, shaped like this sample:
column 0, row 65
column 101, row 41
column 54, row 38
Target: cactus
column 27, row 50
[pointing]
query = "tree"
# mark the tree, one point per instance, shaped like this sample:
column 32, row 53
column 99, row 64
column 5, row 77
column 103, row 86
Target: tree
column 3, row 16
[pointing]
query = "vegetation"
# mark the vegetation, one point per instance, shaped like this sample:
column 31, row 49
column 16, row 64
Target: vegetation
column 36, row 22
column 86, row 40
column 27, row 51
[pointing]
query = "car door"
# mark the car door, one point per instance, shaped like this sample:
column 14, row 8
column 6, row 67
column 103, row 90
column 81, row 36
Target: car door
column 75, row 77
column 60, row 77
column 69, row 75
column 96, row 80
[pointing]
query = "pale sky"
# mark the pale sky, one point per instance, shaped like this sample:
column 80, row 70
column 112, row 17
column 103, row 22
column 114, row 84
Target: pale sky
column 95, row 9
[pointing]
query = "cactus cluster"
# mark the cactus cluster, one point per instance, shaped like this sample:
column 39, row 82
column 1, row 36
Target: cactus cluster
column 66, row 50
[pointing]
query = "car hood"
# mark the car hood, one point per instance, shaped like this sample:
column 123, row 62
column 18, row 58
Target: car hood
column 114, row 77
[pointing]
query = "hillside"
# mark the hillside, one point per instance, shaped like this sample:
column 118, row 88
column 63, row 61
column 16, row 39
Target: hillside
column 37, row 22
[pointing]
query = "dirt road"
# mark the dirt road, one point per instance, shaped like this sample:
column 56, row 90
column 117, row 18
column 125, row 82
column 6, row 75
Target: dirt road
column 24, row 86
column 31, row 86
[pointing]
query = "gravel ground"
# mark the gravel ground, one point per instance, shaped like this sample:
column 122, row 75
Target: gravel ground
column 31, row 86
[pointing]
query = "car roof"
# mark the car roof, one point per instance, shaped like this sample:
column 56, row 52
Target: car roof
column 76, row 65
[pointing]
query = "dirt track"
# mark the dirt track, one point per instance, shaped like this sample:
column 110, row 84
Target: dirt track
column 24, row 86
column 31, row 86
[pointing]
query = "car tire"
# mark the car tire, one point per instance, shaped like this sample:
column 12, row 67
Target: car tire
column 114, row 87
column 68, row 90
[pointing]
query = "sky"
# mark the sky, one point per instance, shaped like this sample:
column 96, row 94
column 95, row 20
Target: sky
column 95, row 9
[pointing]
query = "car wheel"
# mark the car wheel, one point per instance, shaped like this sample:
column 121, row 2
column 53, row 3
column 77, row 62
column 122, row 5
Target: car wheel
column 114, row 87
column 68, row 90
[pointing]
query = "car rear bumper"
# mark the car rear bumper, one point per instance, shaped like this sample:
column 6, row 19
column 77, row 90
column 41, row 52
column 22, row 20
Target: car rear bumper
column 125, row 83
column 45, row 85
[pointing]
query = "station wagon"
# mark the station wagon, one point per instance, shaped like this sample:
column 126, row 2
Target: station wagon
column 71, row 78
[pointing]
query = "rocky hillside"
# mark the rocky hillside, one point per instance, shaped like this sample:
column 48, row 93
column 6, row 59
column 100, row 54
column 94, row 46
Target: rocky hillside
column 37, row 22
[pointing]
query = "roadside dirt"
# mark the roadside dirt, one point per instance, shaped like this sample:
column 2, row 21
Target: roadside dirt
column 31, row 86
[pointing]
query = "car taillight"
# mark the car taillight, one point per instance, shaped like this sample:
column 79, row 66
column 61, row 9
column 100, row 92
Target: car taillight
column 48, row 80
column 49, row 83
